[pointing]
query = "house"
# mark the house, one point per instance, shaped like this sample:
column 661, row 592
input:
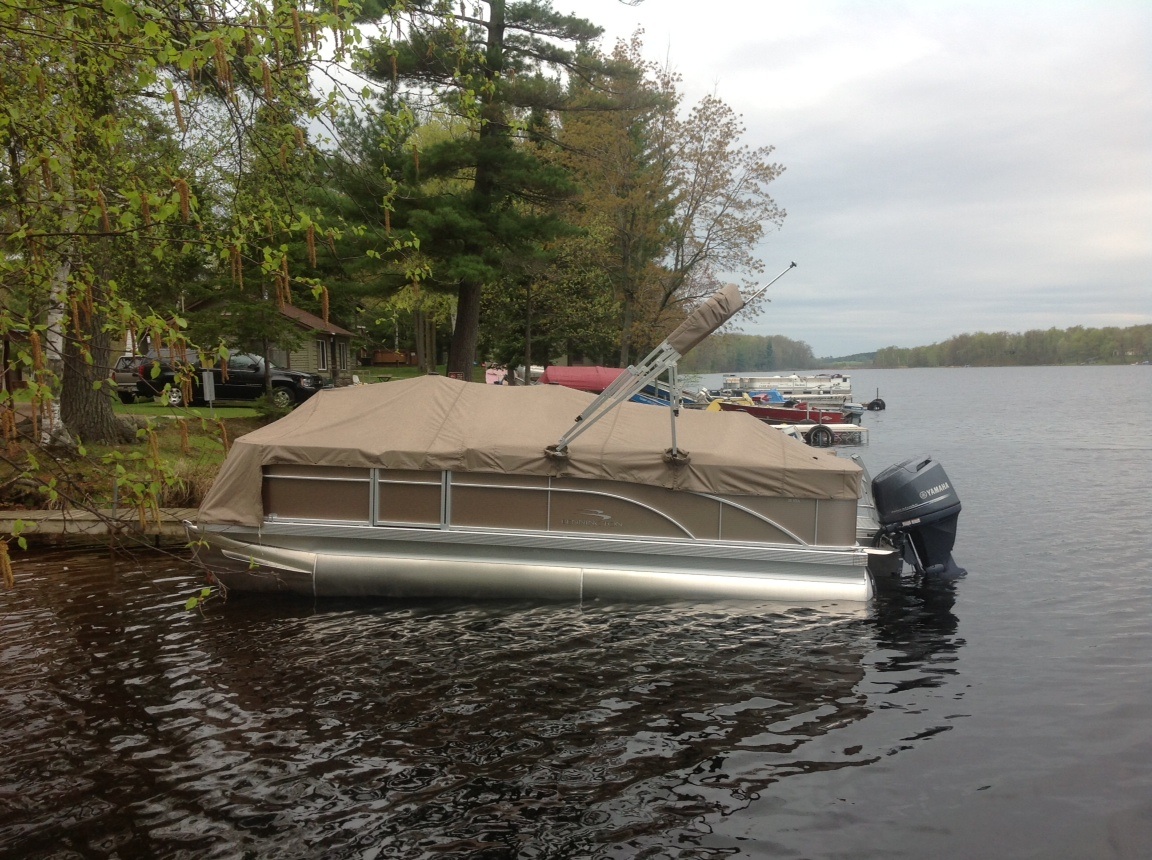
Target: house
column 325, row 348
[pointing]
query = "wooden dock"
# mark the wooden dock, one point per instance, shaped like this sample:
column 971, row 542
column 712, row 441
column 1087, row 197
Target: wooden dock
column 122, row 522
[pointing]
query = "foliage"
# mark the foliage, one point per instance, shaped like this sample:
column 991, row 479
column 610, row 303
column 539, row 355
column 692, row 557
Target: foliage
column 353, row 190
column 171, row 466
column 267, row 410
column 856, row 359
column 724, row 353
column 625, row 208
column 165, row 184
column 1075, row 345
column 683, row 199
column 480, row 200
column 198, row 600
column 722, row 204
column 564, row 309
column 86, row 91
column 115, row 119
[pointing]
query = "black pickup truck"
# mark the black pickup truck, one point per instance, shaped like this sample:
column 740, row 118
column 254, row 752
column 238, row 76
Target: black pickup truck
column 243, row 381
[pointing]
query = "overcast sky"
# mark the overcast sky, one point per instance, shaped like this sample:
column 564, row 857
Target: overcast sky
column 950, row 167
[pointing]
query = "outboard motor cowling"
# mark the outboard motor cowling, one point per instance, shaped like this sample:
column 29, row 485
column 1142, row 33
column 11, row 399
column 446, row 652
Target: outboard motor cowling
column 918, row 509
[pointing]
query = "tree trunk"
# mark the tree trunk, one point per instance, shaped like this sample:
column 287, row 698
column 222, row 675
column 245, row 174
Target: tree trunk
column 85, row 408
column 425, row 341
column 494, row 132
column 420, row 330
column 626, row 332
column 462, row 352
column 528, row 335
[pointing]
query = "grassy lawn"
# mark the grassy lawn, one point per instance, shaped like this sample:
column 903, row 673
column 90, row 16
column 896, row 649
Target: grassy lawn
column 177, row 459
column 191, row 442
column 379, row 374
column 159, row 410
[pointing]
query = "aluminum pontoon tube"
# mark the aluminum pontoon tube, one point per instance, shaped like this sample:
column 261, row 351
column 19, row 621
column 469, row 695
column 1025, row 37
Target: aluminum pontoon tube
column 433, row 576
column 420, row 574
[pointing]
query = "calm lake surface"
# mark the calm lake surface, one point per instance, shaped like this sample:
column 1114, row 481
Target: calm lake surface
column 1005, row 714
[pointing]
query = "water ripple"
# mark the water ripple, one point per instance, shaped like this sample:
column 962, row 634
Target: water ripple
column 418, row 729
column 1010, row 702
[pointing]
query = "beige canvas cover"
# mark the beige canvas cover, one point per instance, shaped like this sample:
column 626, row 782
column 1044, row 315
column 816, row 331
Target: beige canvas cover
column 725, row 304
column 435, row 423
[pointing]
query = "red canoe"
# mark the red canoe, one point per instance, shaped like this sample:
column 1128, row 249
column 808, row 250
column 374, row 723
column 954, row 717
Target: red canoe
column 593, row 379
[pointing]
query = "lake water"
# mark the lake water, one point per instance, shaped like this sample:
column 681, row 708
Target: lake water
column 1006, row 714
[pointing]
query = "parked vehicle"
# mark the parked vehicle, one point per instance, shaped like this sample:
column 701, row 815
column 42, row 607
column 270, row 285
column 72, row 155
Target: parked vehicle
column 125, row 375
column 244, row 380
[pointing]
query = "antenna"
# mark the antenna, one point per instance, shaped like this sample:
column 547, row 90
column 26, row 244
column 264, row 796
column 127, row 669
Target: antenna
column 762, row 290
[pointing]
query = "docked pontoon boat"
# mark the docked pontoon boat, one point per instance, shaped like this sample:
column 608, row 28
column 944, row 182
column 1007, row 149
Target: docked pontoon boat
column 822, row 389
column 436, row 487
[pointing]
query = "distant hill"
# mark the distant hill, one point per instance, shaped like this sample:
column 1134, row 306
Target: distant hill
column 733, row 353
column 1076, row 345
column 860, row 359
column 742, row 352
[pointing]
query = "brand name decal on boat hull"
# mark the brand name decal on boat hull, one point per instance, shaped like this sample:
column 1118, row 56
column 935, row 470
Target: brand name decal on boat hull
column 595, row 518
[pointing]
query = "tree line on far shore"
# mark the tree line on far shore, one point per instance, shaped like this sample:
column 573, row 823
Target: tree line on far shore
column 1076, row 345
column 734, row 353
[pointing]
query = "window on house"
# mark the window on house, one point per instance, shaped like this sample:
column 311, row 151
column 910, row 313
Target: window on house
column 321, row 354
column 342, row 355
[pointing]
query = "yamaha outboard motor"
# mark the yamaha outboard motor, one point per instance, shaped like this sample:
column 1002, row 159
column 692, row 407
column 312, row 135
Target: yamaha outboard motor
column 918, row 509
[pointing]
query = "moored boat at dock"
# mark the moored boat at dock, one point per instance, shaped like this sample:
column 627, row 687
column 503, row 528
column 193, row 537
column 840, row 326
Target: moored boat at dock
column 816, row 388
column 437, row 487
column 787, row 412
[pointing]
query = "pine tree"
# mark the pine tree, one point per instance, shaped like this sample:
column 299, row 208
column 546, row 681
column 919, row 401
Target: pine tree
column 481, row 202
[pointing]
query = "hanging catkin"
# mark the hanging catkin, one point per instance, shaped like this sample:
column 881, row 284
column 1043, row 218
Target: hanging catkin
column 6, row 566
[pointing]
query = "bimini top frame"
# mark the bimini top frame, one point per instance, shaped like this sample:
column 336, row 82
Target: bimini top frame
column 716, row 311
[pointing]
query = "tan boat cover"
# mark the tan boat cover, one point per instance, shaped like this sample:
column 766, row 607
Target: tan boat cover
column 436, row 423
column 724, row 305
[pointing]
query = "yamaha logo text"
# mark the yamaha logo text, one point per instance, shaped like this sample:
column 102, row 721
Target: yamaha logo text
column 939, row 488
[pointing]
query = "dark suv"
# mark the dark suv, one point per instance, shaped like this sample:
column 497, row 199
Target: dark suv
column 245, row 381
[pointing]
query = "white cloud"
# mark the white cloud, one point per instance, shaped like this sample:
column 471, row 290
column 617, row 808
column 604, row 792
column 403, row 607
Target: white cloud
column 950, row 166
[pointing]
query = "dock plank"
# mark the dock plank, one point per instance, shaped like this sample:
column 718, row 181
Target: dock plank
column 80, row 523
